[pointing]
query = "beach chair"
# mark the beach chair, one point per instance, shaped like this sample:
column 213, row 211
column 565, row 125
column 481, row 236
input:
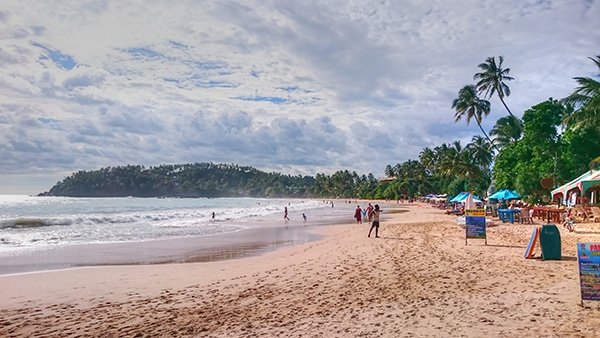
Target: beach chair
column 526, row 216
column 596, row 213
column 581, row 215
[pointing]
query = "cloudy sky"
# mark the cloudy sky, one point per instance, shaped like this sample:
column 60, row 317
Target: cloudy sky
column 298, row 87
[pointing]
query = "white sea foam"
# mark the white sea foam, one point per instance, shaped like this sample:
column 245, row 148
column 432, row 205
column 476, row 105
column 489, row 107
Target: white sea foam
column 27, row 223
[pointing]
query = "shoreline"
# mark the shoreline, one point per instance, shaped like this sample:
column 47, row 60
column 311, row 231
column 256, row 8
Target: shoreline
column 267, row 234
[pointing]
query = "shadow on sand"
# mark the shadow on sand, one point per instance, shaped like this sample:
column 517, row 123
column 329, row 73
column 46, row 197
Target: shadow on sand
column 396, row 238
column 506, row 246
column 562, row 258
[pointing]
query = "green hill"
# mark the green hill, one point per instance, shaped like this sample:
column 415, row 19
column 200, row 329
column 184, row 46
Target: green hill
column 182, row 180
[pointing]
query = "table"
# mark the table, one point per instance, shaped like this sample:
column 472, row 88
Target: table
column 507, row 215
column 555, row 214
column 548, row 214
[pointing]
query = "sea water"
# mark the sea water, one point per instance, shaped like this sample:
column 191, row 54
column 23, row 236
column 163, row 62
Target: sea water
column 53, row 229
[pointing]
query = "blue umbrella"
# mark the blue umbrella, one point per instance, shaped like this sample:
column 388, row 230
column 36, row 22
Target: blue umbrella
column 462, row 195
column 505, row 194
column 464, row 198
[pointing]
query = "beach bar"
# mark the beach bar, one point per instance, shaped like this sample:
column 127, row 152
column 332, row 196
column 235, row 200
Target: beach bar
column 583, row 188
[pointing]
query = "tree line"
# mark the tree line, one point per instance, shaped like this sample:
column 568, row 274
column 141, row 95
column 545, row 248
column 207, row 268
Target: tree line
column 181, row 180
column 209, row 180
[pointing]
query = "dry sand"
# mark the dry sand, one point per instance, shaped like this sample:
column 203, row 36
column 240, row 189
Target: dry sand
column 419, row 279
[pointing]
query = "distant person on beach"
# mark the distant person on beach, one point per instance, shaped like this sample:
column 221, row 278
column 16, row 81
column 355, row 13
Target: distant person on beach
column 213, row 215
column 375, row 224
column 304, row 216
column 285, row 215
column 358, row 214
column 370, row 212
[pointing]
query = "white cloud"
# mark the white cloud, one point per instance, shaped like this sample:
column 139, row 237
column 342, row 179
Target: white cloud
column 298, row 86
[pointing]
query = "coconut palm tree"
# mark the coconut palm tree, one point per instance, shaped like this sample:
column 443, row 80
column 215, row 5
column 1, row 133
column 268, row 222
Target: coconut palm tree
column 507, row 131
column 469, row 106
column 585, row 100
column 428, row 159
column 492, row 80
column 389, row 171
column 481, row 151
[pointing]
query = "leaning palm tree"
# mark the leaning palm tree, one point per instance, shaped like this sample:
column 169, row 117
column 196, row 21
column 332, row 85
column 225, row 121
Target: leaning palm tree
column 492, row 80
column 506, row 131
column 470, row 106
column 585, row 100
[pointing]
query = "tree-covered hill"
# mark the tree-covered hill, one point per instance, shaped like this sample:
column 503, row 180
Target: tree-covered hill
column 182, row 180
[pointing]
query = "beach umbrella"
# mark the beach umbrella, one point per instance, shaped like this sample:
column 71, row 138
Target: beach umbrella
column 505, row 194
column 458, row 197
column 468, row 195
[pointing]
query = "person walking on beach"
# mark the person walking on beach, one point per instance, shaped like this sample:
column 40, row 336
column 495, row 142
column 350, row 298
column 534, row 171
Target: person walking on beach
column 304, row 216
column 285, row 215
column 370, row 212
column 358, row 214
column 375, row 224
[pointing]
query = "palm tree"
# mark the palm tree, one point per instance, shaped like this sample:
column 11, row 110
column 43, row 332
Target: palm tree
column 492, row 80
column 389, row 171
column 481, row 151
column 469, row 105
column 428, row 159
column 585, row 101
column 507, row 131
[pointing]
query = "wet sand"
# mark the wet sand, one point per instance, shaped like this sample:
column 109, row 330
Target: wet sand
column 263, row 235
column 419, row 279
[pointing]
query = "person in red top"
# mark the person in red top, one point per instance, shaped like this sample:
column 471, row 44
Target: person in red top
column 358, row 214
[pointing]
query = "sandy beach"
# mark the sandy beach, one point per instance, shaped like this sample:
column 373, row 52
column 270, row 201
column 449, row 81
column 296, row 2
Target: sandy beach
column 419, row 279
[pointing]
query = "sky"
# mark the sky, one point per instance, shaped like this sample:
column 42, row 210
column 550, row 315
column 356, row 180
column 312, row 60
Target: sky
column 298, row 87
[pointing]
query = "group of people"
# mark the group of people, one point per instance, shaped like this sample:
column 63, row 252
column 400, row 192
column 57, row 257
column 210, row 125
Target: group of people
column 372, row 213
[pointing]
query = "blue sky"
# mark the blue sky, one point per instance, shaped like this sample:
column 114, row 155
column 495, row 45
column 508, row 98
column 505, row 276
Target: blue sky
column 298, row 87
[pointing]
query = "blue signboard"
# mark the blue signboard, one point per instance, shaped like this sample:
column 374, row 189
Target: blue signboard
column 475, row 223
column 588, row 256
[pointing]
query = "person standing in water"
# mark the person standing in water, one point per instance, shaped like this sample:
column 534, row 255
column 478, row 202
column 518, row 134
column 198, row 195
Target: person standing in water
column 370, row 212
column 285, row 215
column 358, row 214
column 375, row 224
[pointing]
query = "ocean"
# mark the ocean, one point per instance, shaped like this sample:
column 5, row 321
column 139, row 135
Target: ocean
column 42, row 233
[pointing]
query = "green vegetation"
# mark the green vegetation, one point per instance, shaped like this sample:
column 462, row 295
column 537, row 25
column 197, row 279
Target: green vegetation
column 209, row 180
column 186, row 180
column 556, row 138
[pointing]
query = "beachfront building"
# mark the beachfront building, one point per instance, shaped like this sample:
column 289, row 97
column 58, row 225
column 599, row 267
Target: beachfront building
column 582, row 190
